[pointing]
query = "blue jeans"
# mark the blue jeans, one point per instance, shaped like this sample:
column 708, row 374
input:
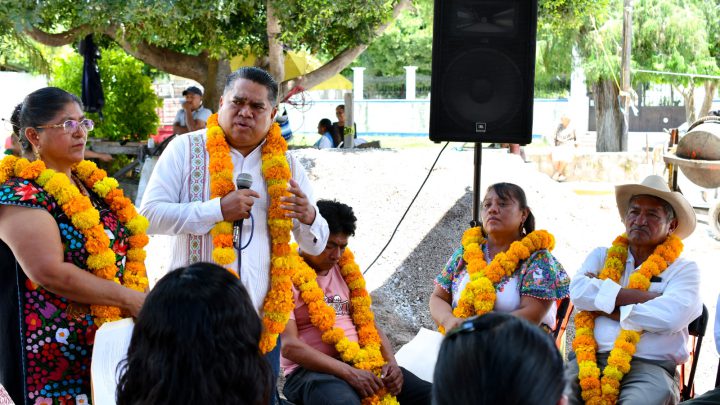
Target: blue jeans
column 305, row 387
column 273, row 358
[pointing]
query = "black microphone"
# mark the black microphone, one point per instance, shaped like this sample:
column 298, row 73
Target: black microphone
column 243, row 182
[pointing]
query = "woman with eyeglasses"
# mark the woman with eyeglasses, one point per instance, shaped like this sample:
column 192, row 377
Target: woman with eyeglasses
column 71, row 252
column 498, row 358
column 504, row 265
column 12, row 146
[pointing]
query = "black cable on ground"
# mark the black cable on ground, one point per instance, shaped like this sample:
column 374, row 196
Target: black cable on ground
column 408, row 208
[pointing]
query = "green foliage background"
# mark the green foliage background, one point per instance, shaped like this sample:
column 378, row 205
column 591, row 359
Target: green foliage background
column 130, row 102
column 407, row 42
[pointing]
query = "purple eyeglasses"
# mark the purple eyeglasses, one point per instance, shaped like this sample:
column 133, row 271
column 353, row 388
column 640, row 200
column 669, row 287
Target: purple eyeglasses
column 70, row 126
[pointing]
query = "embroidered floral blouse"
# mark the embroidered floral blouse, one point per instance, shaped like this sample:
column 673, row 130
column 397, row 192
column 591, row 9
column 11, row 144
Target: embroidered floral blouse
column 57, row 334
column 541, row 276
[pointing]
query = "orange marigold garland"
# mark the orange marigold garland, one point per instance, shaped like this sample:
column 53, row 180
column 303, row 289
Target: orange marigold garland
column 479, row 295
column 276, row 171
column 101, row 260
column 364, row 354
column 606, row 390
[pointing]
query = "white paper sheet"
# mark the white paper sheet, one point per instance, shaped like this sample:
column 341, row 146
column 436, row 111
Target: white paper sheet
column 110, row 348
column 420, row 354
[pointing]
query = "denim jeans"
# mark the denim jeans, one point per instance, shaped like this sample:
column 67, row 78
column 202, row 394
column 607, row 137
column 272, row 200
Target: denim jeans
column 312, row 388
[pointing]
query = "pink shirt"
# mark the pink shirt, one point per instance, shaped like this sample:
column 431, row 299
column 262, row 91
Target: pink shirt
column 337, row 295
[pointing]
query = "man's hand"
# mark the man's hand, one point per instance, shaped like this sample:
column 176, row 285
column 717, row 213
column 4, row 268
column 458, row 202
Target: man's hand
column 298, row 205
column 236, row 205
column 392, row 377
column 186, row 106
column 363, row 382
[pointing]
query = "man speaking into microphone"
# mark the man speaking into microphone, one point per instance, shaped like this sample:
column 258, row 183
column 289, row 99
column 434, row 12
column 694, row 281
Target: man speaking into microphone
column 192, row 192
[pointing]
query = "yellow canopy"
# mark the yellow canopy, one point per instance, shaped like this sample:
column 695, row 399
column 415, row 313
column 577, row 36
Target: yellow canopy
column 297, row 64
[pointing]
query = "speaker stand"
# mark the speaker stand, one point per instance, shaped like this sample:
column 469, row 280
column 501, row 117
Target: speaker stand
column 476, row 220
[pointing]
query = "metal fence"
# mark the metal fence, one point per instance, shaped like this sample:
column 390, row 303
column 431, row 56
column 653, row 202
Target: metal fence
column 393, row 87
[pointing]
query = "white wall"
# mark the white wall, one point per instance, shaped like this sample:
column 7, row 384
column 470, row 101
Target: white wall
column 402, row 117
column 15, row 87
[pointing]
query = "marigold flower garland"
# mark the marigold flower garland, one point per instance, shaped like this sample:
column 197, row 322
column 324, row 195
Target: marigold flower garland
column 479, row 295
column 276, row 171
column 364, row 354
column 607, row 390
column 78, row 207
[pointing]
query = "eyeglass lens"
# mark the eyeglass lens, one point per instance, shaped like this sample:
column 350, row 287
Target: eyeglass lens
column 72, row 125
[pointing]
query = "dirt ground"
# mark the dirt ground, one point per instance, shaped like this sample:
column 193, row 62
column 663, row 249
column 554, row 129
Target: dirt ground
column 380, row 184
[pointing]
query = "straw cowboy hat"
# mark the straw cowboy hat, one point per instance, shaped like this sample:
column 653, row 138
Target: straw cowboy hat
column 657, row 187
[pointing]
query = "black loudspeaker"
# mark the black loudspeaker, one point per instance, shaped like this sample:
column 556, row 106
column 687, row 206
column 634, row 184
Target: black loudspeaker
column 483, row 71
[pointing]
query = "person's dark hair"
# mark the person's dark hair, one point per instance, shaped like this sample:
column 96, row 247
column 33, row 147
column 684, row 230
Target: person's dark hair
column 39, row 108
column 510, row 191
column 15, row 119
column 325, row 123
column 667, row 207
column 340, row 217
column 340, row 106
column 196, row 340
column 498, row 358
column 256, row 75
column 15, row 123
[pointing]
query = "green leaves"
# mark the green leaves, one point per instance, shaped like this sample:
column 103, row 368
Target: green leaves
column 407, row 42
column 220, row 27
column 130, row 102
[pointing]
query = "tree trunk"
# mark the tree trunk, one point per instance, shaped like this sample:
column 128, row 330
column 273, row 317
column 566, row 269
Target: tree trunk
column 276, row 57
column 625, row 70
column 710, row 87
column 688, row 94
column 609, row 120
column 214, row 84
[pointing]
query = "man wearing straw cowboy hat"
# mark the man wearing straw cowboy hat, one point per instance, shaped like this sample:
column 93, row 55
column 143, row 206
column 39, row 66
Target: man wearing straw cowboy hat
column 636, row 301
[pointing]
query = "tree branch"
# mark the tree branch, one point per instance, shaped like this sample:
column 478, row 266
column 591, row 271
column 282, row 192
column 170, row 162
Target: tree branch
column 340, row 61
column 180, row 64
column 60, row 39
column 276, row 58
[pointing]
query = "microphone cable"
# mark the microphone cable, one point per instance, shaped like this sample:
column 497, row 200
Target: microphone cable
column 408, row 208
column 239, row 243
column 252, row 232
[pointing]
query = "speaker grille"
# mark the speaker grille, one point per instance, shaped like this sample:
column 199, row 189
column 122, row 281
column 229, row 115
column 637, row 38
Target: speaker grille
column 482, row 85
column 483, row 71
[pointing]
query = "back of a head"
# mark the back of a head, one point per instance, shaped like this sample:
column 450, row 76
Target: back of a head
column 325, row 123
column 15, row 120
column 196, row 340
column 498, row 358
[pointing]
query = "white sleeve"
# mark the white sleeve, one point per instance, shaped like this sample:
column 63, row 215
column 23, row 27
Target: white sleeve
column 593, row 294
column 162, row 204
column 671, row 312
column 311, row 238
